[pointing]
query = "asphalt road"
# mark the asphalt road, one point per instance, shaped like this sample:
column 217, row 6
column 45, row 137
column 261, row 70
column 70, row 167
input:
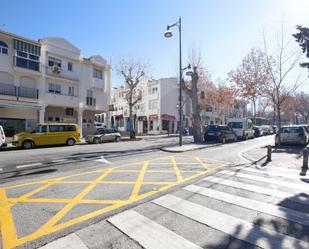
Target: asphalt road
column 41, row 204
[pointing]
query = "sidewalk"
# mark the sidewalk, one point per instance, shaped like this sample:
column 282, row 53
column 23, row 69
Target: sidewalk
column 284, row 156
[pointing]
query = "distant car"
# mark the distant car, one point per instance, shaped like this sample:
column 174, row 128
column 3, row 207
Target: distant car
column 2, row 138
column 48, row 134
column 305, row 126
column 221, row 133
column 104, row 135
column 242, row 127
column 258, row 131
column 292, row 135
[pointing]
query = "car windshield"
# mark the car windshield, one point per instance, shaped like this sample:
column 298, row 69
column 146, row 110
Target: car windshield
column 212, row 128
column 291, row 130
column 225, row 128
column 236, row 125
column 99, row 132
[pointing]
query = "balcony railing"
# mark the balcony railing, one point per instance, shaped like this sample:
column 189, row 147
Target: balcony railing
column 24, row 92
column 27, row 92
column 7, row 89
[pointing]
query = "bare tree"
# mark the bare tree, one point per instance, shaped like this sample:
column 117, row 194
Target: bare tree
column 280, row 66
column 132, row 71
column 251, row 77
column 192, row 88
column 302, row 105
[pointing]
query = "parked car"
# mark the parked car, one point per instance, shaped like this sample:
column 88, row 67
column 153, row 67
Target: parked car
column 104, row 135
column 258, row 131
column 48, row 134
column 221, row 133
column 242, row 127
column 2, row 138
column 292, row 135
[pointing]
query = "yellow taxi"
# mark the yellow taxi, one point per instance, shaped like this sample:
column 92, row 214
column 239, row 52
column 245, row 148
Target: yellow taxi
column 48, row 134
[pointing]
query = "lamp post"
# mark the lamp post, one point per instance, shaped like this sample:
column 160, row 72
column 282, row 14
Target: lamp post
column 168, row 33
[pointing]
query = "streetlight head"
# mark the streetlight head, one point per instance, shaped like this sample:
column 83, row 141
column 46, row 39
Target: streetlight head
column 168, row 33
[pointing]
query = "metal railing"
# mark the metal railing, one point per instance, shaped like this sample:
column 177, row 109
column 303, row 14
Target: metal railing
column 7, row 89
column 27, row 92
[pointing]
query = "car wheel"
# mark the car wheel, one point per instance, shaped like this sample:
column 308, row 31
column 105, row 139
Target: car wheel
column 117, row 139
column 28, row 144
column 96, row 140
column 223, row 139
column 70, row 142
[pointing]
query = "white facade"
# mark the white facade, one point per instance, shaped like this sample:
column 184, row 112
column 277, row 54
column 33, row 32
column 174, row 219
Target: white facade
column 155, row 113
column 49, row 80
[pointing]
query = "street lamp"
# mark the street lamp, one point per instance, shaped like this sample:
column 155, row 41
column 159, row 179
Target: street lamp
column 168, row 33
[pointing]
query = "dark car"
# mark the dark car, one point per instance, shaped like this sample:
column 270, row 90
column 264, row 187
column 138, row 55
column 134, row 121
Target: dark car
column 257, row 131
column 221, row 133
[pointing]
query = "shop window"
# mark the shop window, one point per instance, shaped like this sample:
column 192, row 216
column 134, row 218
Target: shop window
column 84, row 120
column 50, row 119
column 57, row 119
column 69, row 111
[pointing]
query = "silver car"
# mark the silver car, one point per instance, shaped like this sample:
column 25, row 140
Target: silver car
column 104, row 135
column 292, row 135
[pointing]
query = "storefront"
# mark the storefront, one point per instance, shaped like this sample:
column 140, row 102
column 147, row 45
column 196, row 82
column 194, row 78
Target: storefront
column 154, row 125
column 168, row 123
column 142, row 124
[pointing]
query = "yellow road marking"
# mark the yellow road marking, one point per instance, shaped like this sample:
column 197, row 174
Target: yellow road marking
column 176, row 169
column 201, row 162
column 139, row 181
column 11, row 241
column 8, row 232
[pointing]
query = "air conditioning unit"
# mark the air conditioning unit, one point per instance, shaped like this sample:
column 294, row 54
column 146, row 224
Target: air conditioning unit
column 56, row 69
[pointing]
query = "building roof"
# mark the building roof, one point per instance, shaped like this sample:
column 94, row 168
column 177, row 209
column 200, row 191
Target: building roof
column 20, row 37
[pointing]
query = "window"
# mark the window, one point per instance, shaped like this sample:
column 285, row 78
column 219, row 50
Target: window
column 57, row 119
column 50, row 119
column 70, row 66
column 54, row 88
column 3, row 48
column 56, row 128
column 71, row 90
column 40, row 129
column 84, row 120
column 90, row 100
column 97, row 73
column 69, row 128
column 151, row 125
column 153, row 105
column 69, row 111
column 154, row 90
column 53, row 61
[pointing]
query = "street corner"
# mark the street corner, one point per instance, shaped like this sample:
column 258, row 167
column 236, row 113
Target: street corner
column 31, row 210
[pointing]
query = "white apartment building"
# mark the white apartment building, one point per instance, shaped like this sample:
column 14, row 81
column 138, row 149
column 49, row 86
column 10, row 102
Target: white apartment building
column 155, row 113
column 49, row 81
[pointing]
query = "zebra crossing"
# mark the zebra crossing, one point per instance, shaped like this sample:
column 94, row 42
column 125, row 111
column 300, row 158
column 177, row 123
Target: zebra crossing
column 239, row 207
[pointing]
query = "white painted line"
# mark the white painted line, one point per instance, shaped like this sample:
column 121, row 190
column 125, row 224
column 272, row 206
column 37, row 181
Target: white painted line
column 148, row 233
column 1, row 169
column 28, row 165
column 59, row 160
column 71, row 241
column 298, row 186
column 258, row 189
column 267, row 208
column 102, row 160
column 272, row 172
column 235, row 227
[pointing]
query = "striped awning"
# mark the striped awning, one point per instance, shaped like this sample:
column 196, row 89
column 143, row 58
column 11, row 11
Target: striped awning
column 27, row 47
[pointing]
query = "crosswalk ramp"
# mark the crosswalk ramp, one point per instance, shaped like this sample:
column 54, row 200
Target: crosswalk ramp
column 240, row 207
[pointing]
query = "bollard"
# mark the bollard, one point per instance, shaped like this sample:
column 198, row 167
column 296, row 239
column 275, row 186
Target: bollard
column 268, row 153
column 305, row 158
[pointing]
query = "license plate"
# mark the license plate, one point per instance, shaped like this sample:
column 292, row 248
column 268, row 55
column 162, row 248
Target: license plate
column 211, row 133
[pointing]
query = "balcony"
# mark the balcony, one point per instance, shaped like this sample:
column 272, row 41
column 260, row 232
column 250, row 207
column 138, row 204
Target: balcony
column 62, row 74
column 18, row 92
column 98, row 83
column 26, row 92
column 7, row 89
column 59, row 99
column 27, row 64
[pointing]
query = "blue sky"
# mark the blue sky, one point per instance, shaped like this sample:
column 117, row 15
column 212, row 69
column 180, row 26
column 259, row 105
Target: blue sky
column 224, row 30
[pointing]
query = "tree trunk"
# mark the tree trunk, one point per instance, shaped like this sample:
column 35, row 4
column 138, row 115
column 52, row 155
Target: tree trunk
column 196, row 122
column 279, row 123
column 132, row 132
column 254, row 111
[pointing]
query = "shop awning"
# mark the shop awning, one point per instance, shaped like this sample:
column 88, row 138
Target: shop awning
column 23, row 106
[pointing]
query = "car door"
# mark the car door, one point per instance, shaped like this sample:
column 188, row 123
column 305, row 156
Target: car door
column 40, row 135
column 105, row 135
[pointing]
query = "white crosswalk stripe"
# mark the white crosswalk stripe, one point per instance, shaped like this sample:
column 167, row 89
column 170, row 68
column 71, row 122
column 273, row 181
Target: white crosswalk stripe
column 301, row 186
column 273, row 172
column 257, row 189
column 250, row 233
column 148, row 233
column 151, row 234
column 259, row 206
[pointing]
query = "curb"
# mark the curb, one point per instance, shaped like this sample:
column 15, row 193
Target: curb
column 185, row 150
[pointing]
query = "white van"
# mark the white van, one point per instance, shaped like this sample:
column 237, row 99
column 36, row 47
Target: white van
column 243, row 127
column 2, row 137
